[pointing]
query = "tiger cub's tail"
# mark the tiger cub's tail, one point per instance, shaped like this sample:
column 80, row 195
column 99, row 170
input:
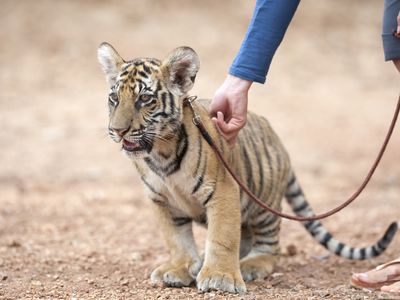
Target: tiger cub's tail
column 296, row 199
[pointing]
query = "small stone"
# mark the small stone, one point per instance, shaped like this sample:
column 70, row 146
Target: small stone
column 94, row 195
column 14, row 244
column 36, row 283
column 276, row 275
column 326, row 294
column 87, row 267
column 61, row 269
column 124, row 282
column 321, row 257
column 3, row 276
column 136, row 256
column 291, row 250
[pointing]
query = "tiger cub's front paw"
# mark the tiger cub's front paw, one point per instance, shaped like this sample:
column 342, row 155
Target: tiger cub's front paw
column 211, row 279
column 176, row 274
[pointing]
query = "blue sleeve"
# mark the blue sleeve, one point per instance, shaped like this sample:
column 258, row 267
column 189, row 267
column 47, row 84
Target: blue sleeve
column 266, row 30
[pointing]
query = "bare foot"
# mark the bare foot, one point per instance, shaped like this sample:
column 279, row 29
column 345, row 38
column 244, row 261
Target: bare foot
column 386, row 277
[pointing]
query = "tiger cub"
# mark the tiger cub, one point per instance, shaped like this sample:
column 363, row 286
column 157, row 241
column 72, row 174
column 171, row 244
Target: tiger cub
column 187, row 183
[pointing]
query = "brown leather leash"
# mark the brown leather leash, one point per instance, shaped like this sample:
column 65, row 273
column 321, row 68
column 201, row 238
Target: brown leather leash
column 197, row 121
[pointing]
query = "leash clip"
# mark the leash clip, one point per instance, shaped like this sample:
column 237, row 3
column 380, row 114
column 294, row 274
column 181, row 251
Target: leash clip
column 196, row 118
column 191, row 99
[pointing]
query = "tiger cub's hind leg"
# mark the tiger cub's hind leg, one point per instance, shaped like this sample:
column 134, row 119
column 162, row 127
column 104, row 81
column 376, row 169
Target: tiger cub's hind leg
column 261, row 260
column 246, row 241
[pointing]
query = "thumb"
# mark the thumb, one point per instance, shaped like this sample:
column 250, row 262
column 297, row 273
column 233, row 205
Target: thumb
column 230, row 137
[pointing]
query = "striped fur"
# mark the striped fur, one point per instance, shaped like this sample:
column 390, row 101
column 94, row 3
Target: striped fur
column 295, row 197
column 186, row 182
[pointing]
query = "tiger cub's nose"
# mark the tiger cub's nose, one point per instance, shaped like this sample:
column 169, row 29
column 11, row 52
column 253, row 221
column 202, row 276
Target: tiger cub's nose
column 121, row 131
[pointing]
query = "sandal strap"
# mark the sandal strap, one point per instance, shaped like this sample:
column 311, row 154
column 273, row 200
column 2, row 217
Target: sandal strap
column 390, row 263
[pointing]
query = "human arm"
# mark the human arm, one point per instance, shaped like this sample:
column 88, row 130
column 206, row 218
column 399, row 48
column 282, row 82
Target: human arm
column 265, row 32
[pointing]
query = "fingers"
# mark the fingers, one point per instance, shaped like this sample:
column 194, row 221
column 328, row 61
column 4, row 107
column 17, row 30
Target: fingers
column 230, row 138
column 224, row 126
column 229, row 130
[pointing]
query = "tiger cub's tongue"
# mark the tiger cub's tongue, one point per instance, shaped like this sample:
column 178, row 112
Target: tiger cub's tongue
column 130, row 146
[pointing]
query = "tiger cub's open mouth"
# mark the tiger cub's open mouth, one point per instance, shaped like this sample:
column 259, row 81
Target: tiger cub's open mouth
column 131, row 146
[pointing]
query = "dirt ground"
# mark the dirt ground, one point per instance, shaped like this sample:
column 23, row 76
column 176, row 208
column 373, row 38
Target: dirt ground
column 74, row 220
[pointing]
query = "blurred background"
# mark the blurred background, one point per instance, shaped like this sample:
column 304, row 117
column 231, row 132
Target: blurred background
column 65, row 186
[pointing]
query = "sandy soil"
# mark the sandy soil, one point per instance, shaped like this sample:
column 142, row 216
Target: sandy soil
column 74, row 221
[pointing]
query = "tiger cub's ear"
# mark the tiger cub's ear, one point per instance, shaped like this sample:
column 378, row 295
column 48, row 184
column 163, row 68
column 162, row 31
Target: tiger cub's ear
column 180, row 68
column 110, row 61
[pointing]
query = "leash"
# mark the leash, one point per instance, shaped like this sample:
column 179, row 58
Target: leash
column 199, row 124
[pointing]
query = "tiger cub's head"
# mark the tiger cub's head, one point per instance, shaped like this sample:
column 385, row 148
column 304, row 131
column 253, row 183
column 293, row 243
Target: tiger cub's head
column 145, row 97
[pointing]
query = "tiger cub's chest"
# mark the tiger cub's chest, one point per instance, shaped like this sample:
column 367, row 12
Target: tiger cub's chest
column 177, row 191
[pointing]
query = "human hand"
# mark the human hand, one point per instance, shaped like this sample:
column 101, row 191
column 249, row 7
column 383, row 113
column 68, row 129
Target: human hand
column 398, row 24
column 229, row 107
column 397, row 34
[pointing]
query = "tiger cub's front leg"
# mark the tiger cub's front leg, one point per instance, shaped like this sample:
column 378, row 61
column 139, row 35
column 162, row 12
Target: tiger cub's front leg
column 184, row 263
column 221, row 269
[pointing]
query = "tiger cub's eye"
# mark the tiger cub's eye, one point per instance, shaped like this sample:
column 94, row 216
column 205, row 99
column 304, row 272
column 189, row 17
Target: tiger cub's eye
column 144, row 97
column 114, row 99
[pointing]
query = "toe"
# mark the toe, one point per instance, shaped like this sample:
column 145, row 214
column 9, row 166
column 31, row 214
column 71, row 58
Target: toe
column 203, row 285
column 177, row 278
column 215, row 282
column 156, row 277
column 392, row 288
